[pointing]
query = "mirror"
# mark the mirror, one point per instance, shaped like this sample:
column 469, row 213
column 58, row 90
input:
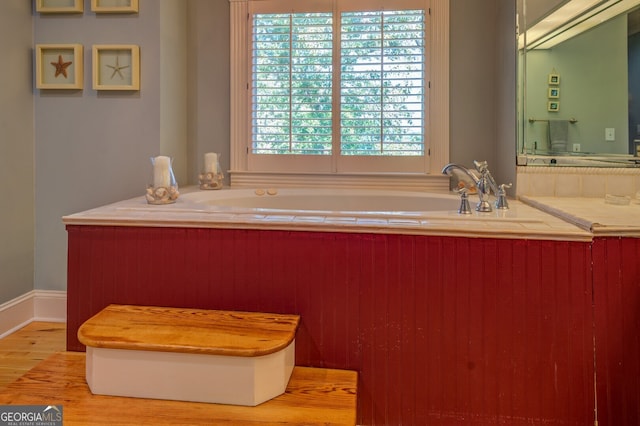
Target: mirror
column 579, row 83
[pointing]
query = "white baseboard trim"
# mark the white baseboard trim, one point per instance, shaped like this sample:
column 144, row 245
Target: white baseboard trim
column 50, row 306
column 36, row 305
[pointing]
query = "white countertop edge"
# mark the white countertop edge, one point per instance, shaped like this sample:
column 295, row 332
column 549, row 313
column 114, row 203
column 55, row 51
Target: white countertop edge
column 559, row 213
column 591, row 214
column 436, row 229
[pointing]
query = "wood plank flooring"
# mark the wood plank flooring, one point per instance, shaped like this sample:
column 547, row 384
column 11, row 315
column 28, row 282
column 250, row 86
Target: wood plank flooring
column 314, row 396
column 24, row 349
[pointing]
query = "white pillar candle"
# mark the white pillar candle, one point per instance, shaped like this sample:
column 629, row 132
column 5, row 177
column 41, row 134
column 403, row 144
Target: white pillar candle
column 211, row 162
column 162, row 172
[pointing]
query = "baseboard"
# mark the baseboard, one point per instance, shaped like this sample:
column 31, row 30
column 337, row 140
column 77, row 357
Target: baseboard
column 50, row 306
column 36, row 305
column 16, row 313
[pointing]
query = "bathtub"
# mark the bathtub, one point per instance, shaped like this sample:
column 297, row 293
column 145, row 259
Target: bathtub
column 322, row 201
column 330, row 210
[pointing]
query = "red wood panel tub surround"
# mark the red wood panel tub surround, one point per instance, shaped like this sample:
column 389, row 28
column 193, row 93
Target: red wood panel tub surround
column 616, row 275
column 442, row 330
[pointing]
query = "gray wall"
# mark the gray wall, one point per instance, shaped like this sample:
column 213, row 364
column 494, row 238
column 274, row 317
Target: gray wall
column 208, row 87
column 93, row 148
column 16, row 151
column 483, row 114
column 506, row 101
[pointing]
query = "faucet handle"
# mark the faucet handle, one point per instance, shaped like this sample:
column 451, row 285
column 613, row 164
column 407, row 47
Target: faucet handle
column 481, row 166
column 464, row 208
column 501, row 202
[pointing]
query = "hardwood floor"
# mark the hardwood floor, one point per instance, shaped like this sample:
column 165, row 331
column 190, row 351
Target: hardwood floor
column 24, row 349
column 313, row 396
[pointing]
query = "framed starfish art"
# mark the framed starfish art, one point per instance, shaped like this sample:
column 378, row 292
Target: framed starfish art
column 114, row 6
column 59, row 6
column 59, row 66
column 116, row 67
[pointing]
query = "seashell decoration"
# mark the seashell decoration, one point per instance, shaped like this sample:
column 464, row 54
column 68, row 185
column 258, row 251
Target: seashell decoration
column 162, row 195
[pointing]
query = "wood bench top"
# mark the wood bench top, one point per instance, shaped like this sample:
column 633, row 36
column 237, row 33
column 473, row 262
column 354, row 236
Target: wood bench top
column 314, row 396
column 150, row 328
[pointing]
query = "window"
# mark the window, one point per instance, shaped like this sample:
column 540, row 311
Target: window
column 332, row 86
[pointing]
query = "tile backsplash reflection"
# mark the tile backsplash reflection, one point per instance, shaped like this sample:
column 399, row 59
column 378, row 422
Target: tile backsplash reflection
column 590, row 182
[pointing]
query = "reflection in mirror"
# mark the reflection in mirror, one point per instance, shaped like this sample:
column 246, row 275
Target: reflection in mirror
column 577, row 104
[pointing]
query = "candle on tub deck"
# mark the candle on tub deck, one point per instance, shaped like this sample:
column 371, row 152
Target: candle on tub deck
column 211, row 162
column 162, row 172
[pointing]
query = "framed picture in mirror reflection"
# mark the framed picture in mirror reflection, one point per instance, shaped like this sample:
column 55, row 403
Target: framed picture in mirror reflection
column 554, row 79
column 553, row 106
column 554, row 92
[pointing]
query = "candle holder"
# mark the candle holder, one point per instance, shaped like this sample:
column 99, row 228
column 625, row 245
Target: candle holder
column 164, row 189
column 210, row 180
column 212, row 177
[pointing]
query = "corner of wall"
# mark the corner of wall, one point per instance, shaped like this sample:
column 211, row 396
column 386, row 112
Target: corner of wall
column 173, row 84
column 36, row 305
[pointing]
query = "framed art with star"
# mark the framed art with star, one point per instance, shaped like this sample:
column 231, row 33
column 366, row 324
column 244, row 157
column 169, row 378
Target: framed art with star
column 116, row 67
column 59, row 66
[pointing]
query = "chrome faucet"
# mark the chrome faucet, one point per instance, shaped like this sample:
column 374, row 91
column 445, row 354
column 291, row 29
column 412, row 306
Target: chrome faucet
column 484, row 182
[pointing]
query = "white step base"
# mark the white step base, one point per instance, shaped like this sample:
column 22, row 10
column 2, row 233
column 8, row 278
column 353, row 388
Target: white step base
column 247, row 381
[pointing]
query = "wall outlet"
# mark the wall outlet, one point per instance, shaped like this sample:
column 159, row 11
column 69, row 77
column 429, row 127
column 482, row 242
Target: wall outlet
column 610, row 134
column 576, row 147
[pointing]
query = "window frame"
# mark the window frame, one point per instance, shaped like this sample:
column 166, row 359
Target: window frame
column 324, row 170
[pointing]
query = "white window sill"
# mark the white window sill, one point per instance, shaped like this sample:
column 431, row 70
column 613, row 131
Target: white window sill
column 399, row 181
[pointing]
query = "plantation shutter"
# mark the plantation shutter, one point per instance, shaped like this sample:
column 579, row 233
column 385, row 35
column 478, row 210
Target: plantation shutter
column 292, row 73
column 382, row 83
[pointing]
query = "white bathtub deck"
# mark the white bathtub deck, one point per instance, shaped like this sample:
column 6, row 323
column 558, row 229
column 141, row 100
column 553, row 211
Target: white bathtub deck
column 521, row 221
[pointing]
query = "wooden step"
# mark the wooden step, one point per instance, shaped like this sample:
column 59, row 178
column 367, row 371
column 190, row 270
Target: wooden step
column 313, row 397
column 242, row 358
column 151, row 328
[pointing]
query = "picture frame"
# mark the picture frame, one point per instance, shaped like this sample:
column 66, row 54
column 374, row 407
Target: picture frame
column 553, row 106
column 59, row 6
column 59, row 66
column 114, row 6
column 116, row 67
column 553, row 93
column 554, row 79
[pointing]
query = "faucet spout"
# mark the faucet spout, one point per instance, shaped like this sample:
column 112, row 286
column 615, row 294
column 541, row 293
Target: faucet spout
column 450, row 168
column 484, row 182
